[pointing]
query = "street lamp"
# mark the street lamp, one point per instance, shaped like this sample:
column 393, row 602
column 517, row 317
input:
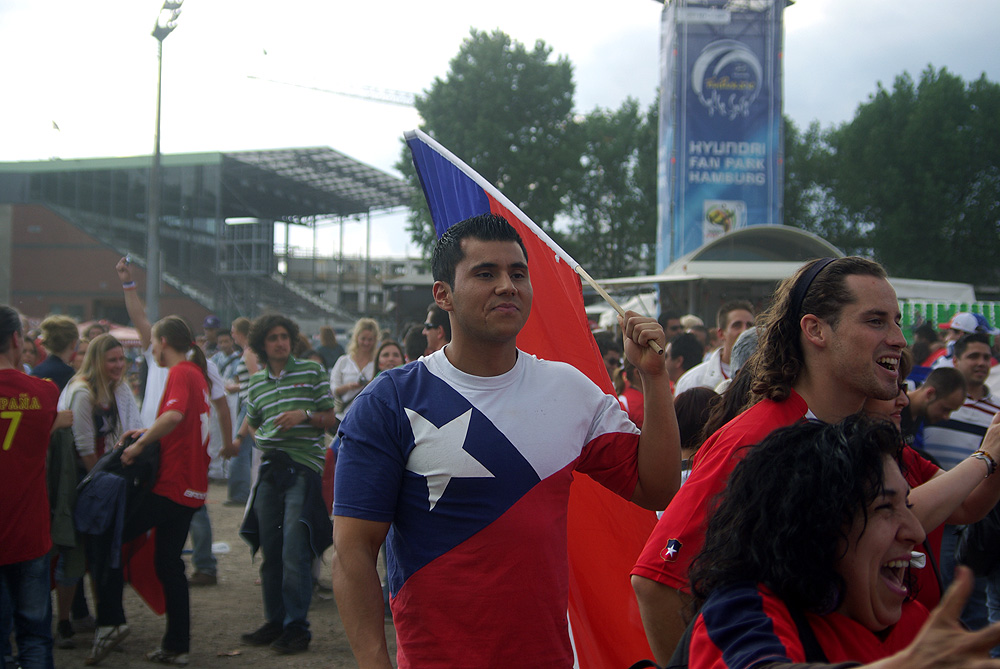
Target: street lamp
column 165, row 24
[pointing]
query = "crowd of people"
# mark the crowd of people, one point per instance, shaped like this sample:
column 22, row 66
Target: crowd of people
column 814, row 475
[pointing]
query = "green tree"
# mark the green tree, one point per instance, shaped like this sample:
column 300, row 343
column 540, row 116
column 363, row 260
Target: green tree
column 613, row 208
column 507, row 112
column 918, row 165
column 808, row 201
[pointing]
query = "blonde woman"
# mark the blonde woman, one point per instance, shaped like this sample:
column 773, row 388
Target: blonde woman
column 103, row 409
column 102, row 403
column 352, row 372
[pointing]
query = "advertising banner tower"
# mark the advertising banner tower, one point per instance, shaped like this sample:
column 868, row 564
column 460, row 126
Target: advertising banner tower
column 721, row 145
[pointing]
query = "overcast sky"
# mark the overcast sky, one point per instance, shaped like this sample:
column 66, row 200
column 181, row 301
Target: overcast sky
column 90, row 68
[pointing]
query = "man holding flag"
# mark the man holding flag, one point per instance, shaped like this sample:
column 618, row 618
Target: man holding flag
column 465, row 460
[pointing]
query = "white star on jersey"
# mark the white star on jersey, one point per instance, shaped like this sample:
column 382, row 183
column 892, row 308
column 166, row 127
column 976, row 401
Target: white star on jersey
column 438, row 455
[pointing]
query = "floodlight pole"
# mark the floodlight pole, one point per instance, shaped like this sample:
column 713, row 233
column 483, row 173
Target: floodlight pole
column 166, row 21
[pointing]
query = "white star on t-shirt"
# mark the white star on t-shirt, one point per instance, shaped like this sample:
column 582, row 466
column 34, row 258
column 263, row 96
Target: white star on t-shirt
column 438, row 455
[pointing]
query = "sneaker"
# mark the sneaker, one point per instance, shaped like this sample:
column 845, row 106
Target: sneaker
column 105, row 639
column 292, row 641
column 84, row 624
column 263, row 636
column 166, row 657
column 200, row 578
column 64, row 635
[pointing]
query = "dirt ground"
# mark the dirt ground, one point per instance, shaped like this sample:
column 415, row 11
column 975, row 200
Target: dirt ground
column 220, row 613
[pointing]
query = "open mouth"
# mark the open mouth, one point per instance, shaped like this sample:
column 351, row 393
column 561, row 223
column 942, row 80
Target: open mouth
column 893, row 573
column 892, row 364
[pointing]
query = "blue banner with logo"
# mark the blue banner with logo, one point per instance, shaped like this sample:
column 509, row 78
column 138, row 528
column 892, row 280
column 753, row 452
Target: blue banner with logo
column 720, row 122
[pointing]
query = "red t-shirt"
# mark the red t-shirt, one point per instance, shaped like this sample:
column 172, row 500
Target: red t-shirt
column 743, row 626
column 918, row 470
column 680, row 533
column 635, row 408
column 27, row 411
column 184, row 458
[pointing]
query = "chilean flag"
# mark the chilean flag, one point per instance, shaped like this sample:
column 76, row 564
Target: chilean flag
column 605, row 532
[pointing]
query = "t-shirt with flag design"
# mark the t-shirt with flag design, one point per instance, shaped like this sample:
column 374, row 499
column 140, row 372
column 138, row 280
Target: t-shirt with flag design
column 474, row 475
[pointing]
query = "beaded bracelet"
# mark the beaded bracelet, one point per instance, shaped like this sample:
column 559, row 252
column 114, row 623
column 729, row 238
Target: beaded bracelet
column 991, row 464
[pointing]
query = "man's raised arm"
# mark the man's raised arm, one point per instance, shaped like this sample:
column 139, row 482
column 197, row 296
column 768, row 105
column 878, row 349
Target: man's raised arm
column 136, row 310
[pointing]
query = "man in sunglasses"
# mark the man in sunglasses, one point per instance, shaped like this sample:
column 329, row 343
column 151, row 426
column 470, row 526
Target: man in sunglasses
column 437, row 329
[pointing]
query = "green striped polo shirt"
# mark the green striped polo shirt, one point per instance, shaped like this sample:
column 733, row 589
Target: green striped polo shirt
column 302, row 385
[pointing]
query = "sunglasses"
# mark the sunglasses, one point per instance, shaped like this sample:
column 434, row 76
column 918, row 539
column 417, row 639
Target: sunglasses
column 430, row 326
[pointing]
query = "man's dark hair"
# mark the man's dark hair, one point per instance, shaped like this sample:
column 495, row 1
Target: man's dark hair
column 688, row 346
column 10, row 322
column 823, row 293
column 485, row 227
column 782, row 517
column 693, row 407
column 414, row 342
column 722, row 316
column 667, row 316
column 264, row 324
column 945, row 381
column 973, row 338
column 607, row 341
column 438, row 317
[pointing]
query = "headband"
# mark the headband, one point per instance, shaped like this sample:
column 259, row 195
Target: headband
column 803, row 284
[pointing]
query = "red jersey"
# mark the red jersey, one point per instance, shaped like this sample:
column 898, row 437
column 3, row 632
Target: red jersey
column 744, row 626
column 184, row 458
column 27, row 411
column 918, row 470
column 680, row 533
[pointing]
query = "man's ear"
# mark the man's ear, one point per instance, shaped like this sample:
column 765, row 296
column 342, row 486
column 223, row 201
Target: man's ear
column 930, row 392
column 442, row 295
column 814, row 329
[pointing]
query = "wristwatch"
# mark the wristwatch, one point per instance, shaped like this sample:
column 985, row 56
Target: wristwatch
column 309, row 416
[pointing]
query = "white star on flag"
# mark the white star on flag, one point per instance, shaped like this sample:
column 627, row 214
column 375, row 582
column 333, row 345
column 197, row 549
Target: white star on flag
column 438, row 455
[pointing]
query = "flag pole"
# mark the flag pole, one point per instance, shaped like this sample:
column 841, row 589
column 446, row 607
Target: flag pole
column 610, row 300
column 500, row 197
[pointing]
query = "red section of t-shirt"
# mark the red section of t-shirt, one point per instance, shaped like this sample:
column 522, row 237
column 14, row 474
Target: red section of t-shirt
column 683, row 523
column 918, row 470
column 27, row 411
column 184, row 458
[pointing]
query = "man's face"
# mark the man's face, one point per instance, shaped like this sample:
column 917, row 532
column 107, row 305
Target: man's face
column 434, row 334
column 675, row 366
column 277, row 345
column 737, row 322
column 612, row 362
column 225, row 342
column 941, row 408
column 974, row 363
column 673, row 328
column 865, row 345
column 211, row 335
column 491, row 298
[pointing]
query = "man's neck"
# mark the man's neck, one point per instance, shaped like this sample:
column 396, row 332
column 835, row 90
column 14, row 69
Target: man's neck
column 830, row 405
column 977, row 392
column 277, row 367
column 724, row 354
column 482, row 358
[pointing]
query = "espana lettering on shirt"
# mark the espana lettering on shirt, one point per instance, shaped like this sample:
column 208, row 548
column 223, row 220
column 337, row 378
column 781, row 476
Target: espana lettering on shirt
column 23, row 402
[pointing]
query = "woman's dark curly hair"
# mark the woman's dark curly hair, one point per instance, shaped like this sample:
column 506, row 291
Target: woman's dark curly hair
column 779, row 357
column 783, row 518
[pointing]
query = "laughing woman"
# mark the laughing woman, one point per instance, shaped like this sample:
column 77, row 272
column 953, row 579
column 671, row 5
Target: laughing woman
column 806, row 560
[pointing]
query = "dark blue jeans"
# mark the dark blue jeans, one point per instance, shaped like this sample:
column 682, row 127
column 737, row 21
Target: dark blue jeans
column 286, row 571
column 25, row 586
